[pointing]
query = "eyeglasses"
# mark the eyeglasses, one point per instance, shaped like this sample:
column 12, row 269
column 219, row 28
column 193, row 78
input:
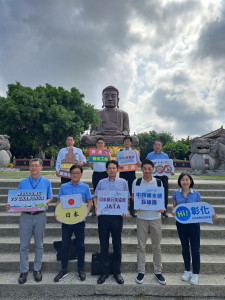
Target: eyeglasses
column 34, row 166
column 75, row 173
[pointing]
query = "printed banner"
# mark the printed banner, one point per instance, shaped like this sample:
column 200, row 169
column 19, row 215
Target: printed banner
column 112, row 202
column 98, row 155
column 71, row 215
column 149, row 198
column 27, row 200
column 196, row 212
column 66, row 163
column 163, row 167
column 126, row 157
column 127, row 168
column 71, row 201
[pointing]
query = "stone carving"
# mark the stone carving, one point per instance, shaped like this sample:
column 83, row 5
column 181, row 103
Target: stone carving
column 5, row 154
column 114, row 123
column 207, row 154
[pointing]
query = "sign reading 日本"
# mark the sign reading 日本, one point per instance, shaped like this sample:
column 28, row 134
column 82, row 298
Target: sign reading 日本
column 163, row 167
column 98, row 155
column 71, row 209
column 196, row 212
column 149, row 198
column 27, row 200
column 112, row 202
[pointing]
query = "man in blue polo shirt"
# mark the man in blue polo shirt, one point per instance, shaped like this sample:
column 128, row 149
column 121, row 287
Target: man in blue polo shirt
column 74, row 187
column 159, row 154
column 129, row 176
column 33, row 222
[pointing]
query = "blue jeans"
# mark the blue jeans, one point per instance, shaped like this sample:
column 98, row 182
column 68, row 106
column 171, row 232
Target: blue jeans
column 67, row 232
column 190, row 234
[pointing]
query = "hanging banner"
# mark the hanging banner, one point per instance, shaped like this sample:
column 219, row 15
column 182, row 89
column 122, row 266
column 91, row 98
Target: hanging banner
column 112, row 202
column 149, row 198
column 27, row 200
column 163, row 167
column 196, row 212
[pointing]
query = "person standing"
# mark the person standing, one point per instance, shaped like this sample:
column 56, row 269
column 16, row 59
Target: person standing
column 148, row 220
column 74, row 187
column 189, row 234
column 33, row 223
column 81, row 160
column 110, row 224
column 99, row 168
column 159, row 154
column 129, row 176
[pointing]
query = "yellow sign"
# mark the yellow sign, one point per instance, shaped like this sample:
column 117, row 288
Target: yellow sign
column 70, row 215
column 66, row 166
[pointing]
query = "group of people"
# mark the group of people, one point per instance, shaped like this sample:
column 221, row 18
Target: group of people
column 105, row 178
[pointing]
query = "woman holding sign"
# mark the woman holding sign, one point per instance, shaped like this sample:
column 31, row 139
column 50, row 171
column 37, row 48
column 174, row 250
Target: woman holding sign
column 189, row 234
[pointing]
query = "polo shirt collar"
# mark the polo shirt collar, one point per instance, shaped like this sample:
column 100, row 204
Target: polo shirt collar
column 145, row 180
column 112, row 180
column 35, row 179
column 74, row 184
column 191, row 190
column 124, row 149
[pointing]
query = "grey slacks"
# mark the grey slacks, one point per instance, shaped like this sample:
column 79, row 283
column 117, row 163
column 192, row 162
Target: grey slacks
column 31, row 224
column 143, row 227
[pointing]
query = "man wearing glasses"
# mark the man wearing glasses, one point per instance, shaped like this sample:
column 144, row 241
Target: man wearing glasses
column 33, row 222
column 73, row 187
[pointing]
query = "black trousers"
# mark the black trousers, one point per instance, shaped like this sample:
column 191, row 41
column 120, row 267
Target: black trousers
column 189, row 234
column 96, row 177
column 165, row 183
column 65, row 180
column 129, row 177
column 106, row 225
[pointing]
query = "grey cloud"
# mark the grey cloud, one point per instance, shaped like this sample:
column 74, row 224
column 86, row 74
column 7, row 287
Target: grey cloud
column 172, row 105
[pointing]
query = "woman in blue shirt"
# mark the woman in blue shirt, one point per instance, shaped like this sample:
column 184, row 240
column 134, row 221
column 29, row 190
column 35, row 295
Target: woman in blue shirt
column 188, row 233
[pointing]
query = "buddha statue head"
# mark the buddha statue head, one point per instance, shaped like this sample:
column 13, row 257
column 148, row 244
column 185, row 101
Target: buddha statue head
column 110, row 97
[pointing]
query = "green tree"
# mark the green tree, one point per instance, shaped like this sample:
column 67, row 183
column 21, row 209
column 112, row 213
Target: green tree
column 177, row 150
column 36, row 119
column 146, row 141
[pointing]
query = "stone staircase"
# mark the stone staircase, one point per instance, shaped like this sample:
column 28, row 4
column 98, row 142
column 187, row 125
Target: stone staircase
column 212, row 277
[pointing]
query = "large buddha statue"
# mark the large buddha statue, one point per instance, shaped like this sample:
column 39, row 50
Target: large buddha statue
column 114, row 123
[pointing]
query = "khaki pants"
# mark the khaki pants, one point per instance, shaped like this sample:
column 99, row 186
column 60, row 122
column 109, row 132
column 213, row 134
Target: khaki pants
column 143, row 227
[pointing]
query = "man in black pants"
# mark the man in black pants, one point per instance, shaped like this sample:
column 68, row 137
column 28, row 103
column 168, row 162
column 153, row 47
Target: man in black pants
column 110, row 224
column 129, row 176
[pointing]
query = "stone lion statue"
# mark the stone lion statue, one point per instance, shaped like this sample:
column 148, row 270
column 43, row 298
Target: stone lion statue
column 207, row 154
column 5, row 154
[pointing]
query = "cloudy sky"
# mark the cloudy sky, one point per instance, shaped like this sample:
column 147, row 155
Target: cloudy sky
column 166, row 57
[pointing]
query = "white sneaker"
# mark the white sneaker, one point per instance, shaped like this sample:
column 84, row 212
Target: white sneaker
column 194, row 279
column 186, row 276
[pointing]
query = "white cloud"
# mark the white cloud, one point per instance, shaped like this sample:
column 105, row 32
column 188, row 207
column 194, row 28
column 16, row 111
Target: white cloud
column 165, row 57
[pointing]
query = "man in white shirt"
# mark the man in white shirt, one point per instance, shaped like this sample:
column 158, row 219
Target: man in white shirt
column 148, row 219
column 80, row 158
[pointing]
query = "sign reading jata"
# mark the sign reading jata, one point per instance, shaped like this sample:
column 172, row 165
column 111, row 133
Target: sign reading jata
column 27, row 200
column 112, row 202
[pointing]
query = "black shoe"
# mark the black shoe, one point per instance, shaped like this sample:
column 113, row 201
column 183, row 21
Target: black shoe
column 164, row 215
column 119, row 278
column 102, row 279
column 81, row 275
column 23, row 278
column 37, row 275
column 60, row 276
column 160, row 278
column 93, row 214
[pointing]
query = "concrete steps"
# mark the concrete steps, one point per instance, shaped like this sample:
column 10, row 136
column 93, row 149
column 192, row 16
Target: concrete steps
column 212, row 277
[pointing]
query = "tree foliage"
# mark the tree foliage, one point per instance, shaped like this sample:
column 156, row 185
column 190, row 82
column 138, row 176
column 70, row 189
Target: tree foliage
column 178, row 150
column 146, row 141
column 36, row 119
